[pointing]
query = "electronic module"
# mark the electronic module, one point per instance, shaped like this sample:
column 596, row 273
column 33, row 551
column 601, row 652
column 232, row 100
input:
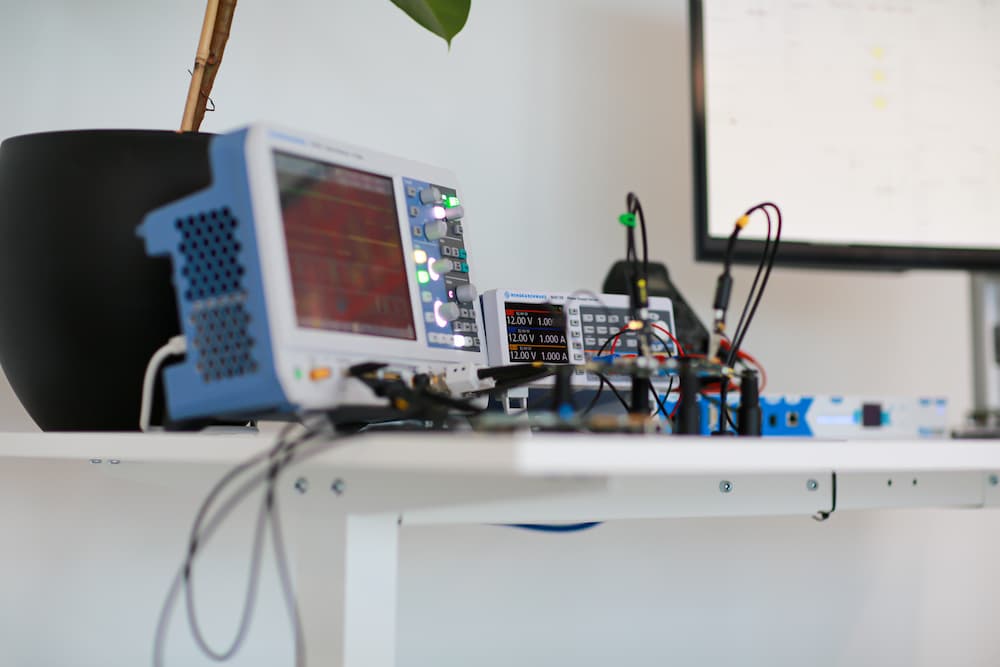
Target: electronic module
column 306, row 257
column 524, row 326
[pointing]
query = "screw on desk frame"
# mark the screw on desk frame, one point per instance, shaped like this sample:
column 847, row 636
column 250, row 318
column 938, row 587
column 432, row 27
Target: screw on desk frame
column 302, row 485
column 812, row 485
column 338, row 486
column 95, row 461
column 725, row 486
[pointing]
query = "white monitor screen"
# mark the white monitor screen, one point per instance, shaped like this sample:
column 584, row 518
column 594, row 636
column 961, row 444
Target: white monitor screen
column 872, row 123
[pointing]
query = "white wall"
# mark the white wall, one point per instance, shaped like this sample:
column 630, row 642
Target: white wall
column 549, row 111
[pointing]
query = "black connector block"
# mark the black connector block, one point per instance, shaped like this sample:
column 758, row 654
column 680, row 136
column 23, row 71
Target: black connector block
column 688, row 414
column 748, row 415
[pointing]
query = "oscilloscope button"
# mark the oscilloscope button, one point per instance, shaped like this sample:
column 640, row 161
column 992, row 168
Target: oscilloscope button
column 454, row 213
column 435, row 230
column 430, row 195
column 442, row 266
column 466, row 293
column 449, row 311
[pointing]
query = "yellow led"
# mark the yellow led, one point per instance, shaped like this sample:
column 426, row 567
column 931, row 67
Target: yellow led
column 419, row 256
column 320, row 373
column 634, row 325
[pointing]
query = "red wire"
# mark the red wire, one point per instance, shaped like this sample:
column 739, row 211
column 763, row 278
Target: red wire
column 614, row 341
column 680, row 350
column 747, row 357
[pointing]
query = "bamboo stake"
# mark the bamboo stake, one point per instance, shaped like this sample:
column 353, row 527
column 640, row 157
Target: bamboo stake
column 211, row 44
column 200, row 60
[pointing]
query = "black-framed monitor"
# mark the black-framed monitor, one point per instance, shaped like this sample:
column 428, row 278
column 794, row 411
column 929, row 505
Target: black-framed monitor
column 874, row 124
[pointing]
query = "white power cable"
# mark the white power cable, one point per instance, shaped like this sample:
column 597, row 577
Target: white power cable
column 174, row 347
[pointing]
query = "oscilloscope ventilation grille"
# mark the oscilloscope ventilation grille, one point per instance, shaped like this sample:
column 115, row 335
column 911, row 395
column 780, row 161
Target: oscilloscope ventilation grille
column 213, row 288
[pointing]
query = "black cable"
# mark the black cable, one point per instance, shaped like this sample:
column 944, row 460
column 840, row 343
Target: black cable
column 664, row 342
column 458, row 404
column 550, row 370
column 738, row 341
column 287, row 587
column 604, row 380
column 278, row 459
column 634, row 207
column 724, row 415
column 593, row 401
column 193, row 545
column 755, row 295
column 249, row 600
column 615, row 391
column 730, row 358
column 207, row 530
column 659, row 402
column 206, row 523
column 717, row 403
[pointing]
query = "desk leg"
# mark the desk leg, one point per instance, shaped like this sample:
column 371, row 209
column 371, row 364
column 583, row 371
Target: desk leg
column 346, row 578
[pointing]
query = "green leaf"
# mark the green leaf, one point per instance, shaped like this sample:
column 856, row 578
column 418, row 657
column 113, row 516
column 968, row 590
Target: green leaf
column 445, row 18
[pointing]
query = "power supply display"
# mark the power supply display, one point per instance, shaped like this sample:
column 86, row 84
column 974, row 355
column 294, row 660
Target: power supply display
column 536, row 332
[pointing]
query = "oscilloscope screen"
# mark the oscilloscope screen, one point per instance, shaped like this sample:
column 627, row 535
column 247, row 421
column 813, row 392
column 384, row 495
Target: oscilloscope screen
column 345, row 253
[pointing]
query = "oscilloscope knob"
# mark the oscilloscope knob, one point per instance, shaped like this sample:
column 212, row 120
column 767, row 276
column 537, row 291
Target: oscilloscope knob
column 449, row 311
column 435, row 230
column 442, row 266
column 430, row 195
column 466, row 293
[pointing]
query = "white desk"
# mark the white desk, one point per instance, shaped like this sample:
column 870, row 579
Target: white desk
column 343, row 507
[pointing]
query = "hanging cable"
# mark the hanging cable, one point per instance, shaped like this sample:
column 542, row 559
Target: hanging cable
column 724, row 289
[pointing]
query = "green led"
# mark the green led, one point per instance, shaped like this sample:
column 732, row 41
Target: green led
column 627, row 219
column 298, row 373
column 452, row 201
column 423, row 277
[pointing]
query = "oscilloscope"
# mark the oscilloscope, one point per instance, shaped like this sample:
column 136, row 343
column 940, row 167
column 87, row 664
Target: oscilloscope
column 304, row 257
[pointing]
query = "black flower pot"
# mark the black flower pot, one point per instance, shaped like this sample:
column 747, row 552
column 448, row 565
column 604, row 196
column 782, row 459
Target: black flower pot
column 82, row 307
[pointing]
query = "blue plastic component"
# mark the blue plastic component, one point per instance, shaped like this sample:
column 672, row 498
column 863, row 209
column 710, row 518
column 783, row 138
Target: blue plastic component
column 776, row 414
column 211, row 240
column 789, row 419
column 440, row 334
